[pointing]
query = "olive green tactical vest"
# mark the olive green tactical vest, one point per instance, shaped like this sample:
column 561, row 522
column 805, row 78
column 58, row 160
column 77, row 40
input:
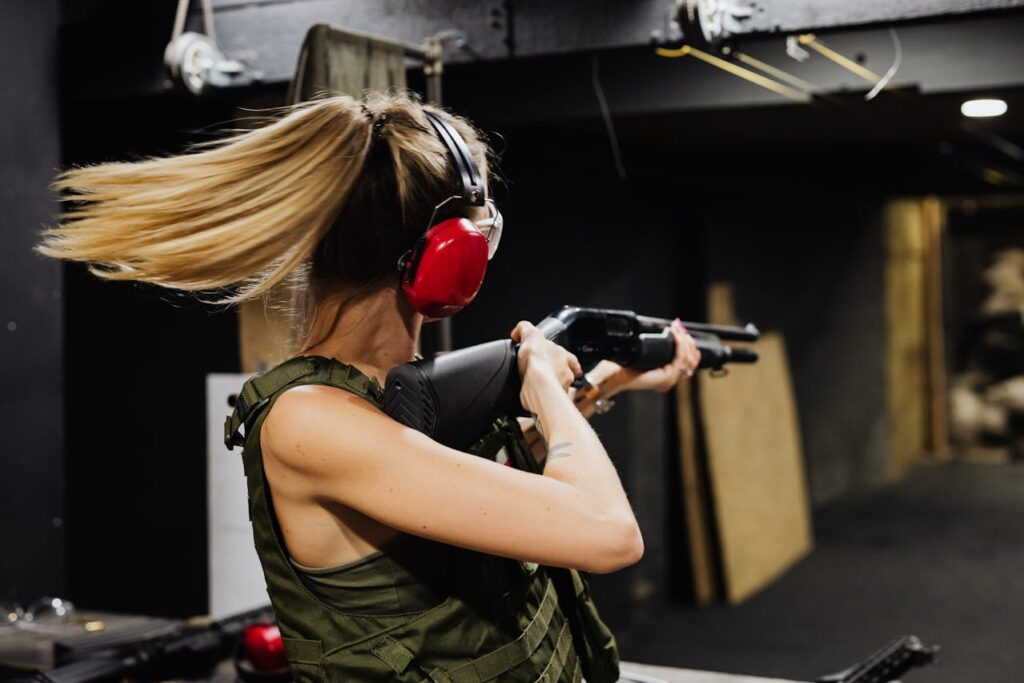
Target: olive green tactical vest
column 503, row 620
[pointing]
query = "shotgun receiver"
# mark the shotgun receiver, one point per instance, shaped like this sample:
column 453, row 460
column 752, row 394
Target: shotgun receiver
column 455, row 396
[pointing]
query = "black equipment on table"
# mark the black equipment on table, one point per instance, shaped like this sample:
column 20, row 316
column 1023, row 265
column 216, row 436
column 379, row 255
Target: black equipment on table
column 188, row 651
column 888, row 664
column 455, row 396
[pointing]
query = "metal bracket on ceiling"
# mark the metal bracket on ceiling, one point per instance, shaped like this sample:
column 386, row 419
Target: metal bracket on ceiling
column 194, row 60
column 706, row 26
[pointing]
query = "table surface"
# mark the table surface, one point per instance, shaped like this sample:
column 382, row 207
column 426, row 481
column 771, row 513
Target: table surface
column 631, row 673
column 663, row 674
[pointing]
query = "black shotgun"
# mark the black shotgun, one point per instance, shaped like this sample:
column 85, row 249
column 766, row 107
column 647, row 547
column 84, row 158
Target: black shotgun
column 455, row 396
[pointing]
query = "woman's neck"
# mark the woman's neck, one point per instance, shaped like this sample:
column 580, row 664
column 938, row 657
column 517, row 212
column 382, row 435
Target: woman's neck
column 374, row 333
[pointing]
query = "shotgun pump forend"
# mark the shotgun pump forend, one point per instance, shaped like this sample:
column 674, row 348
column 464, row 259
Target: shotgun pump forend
column 455, row 396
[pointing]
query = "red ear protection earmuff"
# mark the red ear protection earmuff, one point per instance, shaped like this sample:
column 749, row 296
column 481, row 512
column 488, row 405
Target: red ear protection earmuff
column 444, row 271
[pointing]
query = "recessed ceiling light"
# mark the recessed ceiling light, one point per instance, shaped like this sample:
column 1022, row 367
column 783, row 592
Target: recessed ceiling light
column 980, row 109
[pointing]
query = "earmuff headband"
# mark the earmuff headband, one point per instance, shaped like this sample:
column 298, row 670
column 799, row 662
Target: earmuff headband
column 444, row 271
column 469, row 175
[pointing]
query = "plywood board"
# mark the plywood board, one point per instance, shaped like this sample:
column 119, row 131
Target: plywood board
column 906, row 242
column 696, row 511
column 756, row 470
column 722, row 304
column 934, row 221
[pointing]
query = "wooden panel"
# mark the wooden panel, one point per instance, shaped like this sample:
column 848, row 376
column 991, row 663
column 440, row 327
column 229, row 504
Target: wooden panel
column 938, row 417
column 756, row 470
column 907, row 347
column 696, row 499
column 721, row 304
column 696, row 508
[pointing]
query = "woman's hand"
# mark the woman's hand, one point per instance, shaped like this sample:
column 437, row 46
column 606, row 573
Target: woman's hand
column 541, row 364
column 614, row 378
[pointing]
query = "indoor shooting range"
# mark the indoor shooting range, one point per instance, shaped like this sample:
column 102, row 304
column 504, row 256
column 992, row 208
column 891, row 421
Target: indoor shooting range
column 472, row 341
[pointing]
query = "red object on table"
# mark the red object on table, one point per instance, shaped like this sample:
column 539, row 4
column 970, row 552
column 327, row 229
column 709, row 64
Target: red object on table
column 264, row 648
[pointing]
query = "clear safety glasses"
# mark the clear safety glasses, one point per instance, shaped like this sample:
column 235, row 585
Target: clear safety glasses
column 490, row 227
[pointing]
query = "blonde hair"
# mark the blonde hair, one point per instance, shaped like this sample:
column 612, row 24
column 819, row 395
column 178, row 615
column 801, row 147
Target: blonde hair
column 239, row 216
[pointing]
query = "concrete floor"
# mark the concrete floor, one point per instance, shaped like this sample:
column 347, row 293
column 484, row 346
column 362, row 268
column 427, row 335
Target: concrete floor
column 940, row 555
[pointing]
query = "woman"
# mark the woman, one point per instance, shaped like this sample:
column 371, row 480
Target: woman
column 388, row 556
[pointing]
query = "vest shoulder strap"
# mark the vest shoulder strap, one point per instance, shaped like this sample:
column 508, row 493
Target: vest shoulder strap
column 257, row 393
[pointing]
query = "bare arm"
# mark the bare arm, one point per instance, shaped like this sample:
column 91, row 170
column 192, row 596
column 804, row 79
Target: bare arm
column 324, row 444
column 609, row 380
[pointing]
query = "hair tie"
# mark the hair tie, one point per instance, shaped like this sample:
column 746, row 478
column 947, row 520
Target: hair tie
column 366, row 112
column 378, row 125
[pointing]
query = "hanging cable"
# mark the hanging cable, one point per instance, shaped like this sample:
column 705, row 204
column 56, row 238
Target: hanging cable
column 735, row 70
column 606, row 114
column 811, row 41
column 776, row 73
column 897, row 59
column 208, row 19
column 181, row 14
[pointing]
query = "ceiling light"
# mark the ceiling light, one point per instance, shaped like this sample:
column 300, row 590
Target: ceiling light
column 979, row 109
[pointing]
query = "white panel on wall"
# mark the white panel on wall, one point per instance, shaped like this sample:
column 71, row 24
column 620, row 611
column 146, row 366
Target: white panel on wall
column 236, row 580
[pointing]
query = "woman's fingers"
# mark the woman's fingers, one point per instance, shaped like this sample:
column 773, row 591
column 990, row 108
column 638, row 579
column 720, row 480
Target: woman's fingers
column 680, row 335
column 536, row 349
column 694, row 355
column 520, row 329
column 685, row 349
column 574, row 365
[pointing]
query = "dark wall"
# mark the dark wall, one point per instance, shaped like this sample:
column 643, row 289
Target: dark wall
column 136, row 362
column 813, row 270
column 31, row 342
column 136, row 465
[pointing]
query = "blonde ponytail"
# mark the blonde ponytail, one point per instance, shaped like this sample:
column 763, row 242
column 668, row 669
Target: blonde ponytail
column 236, row 216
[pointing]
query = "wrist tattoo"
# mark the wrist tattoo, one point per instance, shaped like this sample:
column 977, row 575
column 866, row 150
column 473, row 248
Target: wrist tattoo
column 559, row 450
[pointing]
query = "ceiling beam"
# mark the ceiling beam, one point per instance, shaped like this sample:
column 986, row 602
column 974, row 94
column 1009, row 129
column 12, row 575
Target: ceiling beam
column 270, row 31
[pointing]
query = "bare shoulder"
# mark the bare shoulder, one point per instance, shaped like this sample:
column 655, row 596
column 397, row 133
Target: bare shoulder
column 306, row 422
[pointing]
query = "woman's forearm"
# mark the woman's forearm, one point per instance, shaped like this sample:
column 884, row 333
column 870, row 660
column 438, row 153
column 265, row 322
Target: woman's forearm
column 605, row 378
column 576, row 456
